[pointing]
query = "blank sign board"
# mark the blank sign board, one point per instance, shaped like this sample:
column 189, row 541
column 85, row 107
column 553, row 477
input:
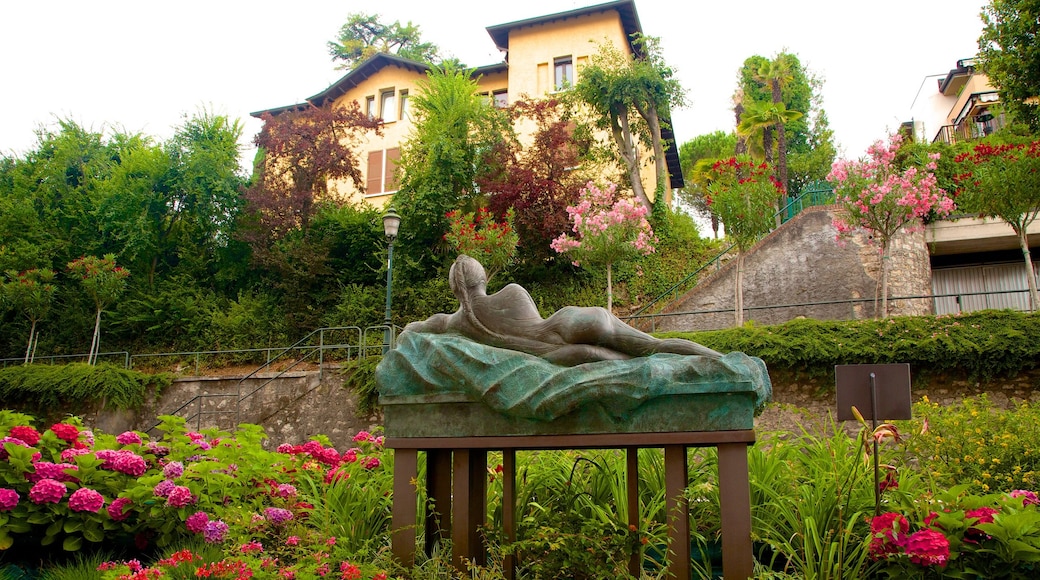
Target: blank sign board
column 892, row 386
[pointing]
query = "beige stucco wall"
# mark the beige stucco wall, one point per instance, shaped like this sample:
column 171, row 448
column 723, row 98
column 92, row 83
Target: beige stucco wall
column 977, row 83
column 395, row 130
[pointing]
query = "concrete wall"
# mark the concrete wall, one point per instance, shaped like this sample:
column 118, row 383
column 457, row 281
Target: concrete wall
column 798, row 263
column 292, row 408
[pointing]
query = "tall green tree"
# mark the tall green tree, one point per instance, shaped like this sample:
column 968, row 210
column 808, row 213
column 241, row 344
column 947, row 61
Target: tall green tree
column 630, row 97
column 454, row 130
column 31, row 293
column 1009, row 54
column 364, row 35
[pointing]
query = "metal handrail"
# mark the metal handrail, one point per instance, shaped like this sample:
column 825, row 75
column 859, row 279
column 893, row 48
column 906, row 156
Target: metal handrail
column 21, row 360
column 933, row 297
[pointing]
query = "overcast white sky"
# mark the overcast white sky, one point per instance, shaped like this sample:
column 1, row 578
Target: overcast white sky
column 140, row 66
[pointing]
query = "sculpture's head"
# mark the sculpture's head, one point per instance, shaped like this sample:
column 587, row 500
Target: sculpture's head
column 466, row 278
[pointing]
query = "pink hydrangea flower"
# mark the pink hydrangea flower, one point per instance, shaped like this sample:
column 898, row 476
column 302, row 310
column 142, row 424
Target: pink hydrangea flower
column 117, row 509
column 292, row 541
column 251, row 547
column 55, row 471
column 887, row 534
column 362, row 436
column 285, row 448
column 13, row 440
column 196, row 522
column 85, row 499
column 1029, row 497
column 173, row 470
column 122, row 461
column 928, row 548
column 286, row 490
column 69, row 455
column 8, row 499
column 180, row 496
column 25, row 433
column 47, row 491
column 371, row 463
column 163, row 488
column 128, row 438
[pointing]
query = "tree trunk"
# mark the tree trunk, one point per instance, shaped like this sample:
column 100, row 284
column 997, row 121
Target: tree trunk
column 630, row 154
column 95, row 342
column 1034, row 298
column 884, row 280
column 738, row 291
column 649, row 114
column 29, row 348
column 741, row 147
column 610, row 292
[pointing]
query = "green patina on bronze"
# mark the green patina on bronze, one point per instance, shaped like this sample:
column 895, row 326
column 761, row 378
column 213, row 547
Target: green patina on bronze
column 442, row 385
column 496, row 367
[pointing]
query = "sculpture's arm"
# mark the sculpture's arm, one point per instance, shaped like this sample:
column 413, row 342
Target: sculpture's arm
column 436, row 324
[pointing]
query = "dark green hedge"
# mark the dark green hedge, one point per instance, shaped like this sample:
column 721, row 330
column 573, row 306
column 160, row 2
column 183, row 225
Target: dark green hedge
column 50, row 387
column 981, row 345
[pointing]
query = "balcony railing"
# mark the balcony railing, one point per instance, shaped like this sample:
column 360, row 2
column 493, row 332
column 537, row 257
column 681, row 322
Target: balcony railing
column 969, row 129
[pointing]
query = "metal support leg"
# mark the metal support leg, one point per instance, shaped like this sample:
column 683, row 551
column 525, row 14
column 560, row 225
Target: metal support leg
column 676, row 479
column 735, row 499
column 402, row 539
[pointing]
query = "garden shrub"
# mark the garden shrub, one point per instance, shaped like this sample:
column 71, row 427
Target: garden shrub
column 981, row 345
column 52, row 388
column 360, row 379
column 978, row 445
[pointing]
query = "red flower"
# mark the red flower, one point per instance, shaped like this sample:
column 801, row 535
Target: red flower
column 26, row 433
column 887, row 534
column 66, row 432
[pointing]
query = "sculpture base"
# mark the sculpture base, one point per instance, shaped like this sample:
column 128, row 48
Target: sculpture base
column 443, row 417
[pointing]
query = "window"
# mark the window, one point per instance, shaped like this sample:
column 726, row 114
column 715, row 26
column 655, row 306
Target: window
column 500, row 98
column 381, row 166
column 404, row 114
column 564, row 73
column 387, row 105
column 370, row 107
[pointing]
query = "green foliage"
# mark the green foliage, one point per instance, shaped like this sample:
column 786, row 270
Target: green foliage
column 363, row 35
column 809, row 498
column 630, row 97
column 47, row 388
column 255, row 319
column 980, row 345
column 360, row 379
column 1009, row 56
column 441, row 160
column 976, row 444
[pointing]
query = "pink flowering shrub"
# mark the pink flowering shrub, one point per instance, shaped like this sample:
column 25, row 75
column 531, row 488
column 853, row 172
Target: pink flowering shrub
column 607, row 230
column 875, row 196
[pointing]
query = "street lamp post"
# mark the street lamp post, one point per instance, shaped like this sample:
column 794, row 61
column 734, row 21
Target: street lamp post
column 391, row 223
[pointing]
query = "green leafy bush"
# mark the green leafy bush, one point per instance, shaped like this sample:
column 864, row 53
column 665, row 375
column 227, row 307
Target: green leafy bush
column 981, row 345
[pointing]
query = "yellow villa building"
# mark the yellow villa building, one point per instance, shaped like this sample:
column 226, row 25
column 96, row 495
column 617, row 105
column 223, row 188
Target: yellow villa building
column 543, row 55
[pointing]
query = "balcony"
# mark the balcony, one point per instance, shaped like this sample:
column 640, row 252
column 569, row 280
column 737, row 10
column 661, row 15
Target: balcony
column 970, row 128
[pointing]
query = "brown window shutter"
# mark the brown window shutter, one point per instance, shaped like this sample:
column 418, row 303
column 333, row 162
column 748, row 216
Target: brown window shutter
column 374, row 183
column 392, row 155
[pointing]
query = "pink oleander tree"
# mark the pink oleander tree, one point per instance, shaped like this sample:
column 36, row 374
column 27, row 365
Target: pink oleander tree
column 875, row 196
column 608, row 230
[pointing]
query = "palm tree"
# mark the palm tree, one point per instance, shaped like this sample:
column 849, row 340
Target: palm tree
column 764, row 117
column 778, row 73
